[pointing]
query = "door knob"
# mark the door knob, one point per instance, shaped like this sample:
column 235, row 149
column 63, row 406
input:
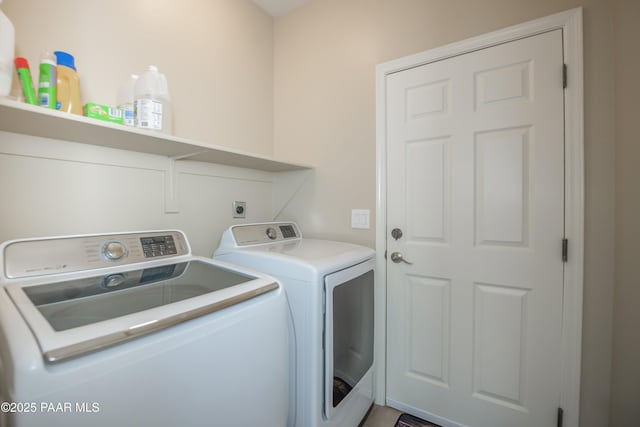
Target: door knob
column 397, row 258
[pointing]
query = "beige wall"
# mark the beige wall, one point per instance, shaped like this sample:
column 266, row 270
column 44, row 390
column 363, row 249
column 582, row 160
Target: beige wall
column 225, row 59
column 325, row 57
column 625, row 408
column 217, row 56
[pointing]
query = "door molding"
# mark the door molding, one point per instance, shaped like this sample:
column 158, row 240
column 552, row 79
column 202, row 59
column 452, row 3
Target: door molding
column 570, row 22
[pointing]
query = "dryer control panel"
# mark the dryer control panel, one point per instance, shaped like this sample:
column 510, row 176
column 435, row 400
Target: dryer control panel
column 254, row 234
column 37, row 257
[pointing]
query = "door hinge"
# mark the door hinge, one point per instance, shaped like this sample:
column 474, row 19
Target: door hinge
column 565, row 250
column 560, row 415
column 564, row 76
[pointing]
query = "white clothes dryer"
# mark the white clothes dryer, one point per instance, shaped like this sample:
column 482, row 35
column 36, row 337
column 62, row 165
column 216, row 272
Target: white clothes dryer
column 330, row 290
column 131, row 329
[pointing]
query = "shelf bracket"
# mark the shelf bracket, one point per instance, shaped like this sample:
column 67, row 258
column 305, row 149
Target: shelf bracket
column 186, row 156
column 286, row 185
column 171, row 204
column 170, row 188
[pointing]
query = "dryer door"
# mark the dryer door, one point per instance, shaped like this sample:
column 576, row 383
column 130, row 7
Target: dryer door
column 348, row 336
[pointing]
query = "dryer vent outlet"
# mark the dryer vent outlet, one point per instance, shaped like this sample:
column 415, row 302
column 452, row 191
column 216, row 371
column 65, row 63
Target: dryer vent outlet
column 239, row 209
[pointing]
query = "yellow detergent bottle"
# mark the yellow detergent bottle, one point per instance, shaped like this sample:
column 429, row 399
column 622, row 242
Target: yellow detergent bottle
column 68, row 84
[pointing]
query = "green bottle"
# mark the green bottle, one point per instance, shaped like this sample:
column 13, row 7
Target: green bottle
column 24, row 74
column 47, row 83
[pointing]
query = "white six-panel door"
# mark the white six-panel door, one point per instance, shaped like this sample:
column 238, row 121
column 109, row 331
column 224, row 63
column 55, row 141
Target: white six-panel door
column 475, row 182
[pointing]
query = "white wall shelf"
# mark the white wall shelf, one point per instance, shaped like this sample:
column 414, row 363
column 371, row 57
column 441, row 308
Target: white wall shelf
column 21, row 118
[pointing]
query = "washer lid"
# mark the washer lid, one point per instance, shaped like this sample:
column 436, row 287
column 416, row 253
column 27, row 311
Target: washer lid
column 77, row 315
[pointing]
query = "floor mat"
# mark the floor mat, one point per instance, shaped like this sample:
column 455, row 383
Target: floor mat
column 406, row 420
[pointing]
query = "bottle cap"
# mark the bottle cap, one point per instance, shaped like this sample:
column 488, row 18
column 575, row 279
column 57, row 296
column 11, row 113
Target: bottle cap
column 48, row 58
column 65, row 59
column 21, row 62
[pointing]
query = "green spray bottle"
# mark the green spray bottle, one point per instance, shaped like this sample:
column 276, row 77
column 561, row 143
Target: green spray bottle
column 24, row 74
column 47, row 83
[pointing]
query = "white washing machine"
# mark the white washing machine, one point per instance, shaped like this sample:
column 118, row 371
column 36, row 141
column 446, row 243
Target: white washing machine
column 131, row 329
column 330, row 289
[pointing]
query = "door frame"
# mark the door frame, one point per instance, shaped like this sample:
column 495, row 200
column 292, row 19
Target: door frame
column 570, row 22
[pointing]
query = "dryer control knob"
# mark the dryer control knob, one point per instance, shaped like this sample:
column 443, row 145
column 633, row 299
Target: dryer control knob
column 114, row 250
column 272, row 233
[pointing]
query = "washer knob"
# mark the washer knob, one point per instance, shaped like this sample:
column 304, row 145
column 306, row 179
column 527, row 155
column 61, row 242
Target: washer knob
column 114, row 250
column 113, row 281
column 272, row 233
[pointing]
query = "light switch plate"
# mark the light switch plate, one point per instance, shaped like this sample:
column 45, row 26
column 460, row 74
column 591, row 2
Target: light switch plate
column 360, row 218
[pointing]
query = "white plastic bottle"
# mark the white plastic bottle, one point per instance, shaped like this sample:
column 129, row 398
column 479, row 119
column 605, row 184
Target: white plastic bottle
column 125, row 100
column 7, row 53
column 167, row 117
column 151, row 101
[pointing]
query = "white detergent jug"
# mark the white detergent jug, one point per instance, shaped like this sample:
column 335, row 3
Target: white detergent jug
column 151, row 101
column 7, row 42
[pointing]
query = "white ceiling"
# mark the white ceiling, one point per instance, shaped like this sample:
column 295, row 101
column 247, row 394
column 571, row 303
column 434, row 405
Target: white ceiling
column 279, row 7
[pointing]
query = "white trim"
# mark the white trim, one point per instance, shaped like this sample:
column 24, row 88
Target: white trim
column 574, row 220
column 380, row 319
column 570, row 22
column 14, row 144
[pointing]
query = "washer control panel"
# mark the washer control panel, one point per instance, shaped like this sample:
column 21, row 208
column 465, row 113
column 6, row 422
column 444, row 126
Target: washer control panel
column 154, row 246
column 252, row 234
column 27, row 258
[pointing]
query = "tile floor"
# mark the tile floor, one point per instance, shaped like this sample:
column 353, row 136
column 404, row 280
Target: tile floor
column 381, row 416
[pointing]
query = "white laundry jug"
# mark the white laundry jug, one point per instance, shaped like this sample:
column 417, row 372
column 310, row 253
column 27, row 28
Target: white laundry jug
column 7, row 53
column 152, row 104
